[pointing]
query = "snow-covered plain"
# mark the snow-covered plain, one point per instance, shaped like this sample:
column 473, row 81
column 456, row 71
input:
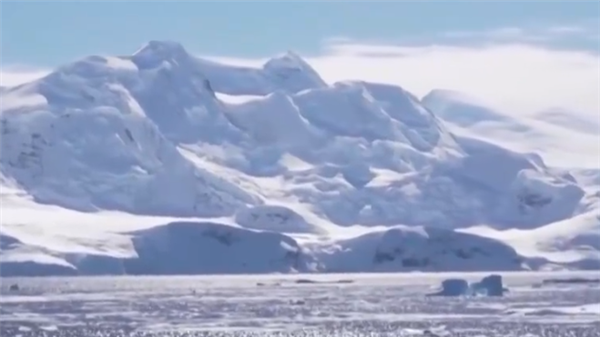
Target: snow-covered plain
column 288, row 305
column 164, row 163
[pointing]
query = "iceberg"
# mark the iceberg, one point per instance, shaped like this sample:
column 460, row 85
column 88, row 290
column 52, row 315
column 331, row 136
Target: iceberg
column 488, row 286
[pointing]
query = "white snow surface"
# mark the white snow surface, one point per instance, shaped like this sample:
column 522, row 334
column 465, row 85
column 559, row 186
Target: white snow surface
column 114, row 165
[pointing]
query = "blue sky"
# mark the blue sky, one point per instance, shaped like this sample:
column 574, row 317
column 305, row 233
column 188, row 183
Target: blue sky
column 48, row 33
column 517, row 56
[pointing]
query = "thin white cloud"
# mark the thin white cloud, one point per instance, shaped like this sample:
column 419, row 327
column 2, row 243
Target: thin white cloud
column 568, row 30
column 510, row 33
column 18, row 74
column 586, row 30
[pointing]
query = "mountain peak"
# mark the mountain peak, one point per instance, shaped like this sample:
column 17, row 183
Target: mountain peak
column 156, row 51
column 289, row 59
column 289, row 67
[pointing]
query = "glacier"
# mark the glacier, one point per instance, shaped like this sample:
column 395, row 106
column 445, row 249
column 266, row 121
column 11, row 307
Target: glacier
column 162, row 162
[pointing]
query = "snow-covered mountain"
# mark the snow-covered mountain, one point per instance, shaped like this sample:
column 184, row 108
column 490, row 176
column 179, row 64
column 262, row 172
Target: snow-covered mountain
column 304, row 175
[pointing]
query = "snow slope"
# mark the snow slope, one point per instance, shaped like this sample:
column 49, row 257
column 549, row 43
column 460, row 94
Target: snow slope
column 574, row 242
column 402, row 248
column 175, row 248
column 100, row 152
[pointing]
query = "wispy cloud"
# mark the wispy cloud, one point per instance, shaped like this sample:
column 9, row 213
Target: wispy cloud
column 507, row 33
column 17, row 74
column 584, row 31
column 569, row 30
